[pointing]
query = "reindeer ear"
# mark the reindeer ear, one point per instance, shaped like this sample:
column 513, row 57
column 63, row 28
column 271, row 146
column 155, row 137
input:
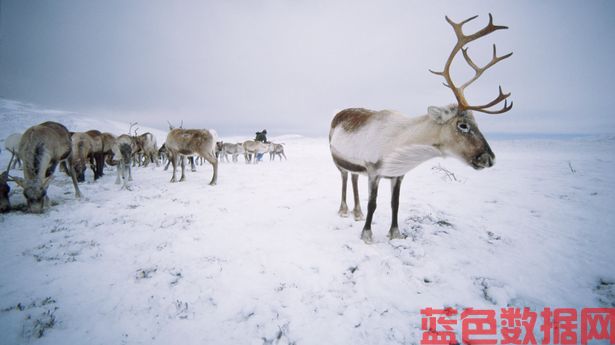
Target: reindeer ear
column 440, row 114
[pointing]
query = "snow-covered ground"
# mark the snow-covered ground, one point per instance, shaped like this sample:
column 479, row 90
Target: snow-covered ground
column 264, row 258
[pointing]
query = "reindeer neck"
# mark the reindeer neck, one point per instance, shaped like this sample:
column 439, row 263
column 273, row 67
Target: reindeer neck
column 420, row 130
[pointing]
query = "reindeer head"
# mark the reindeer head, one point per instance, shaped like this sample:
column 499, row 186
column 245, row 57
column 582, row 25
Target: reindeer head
column 35, row 192
column 460, row 135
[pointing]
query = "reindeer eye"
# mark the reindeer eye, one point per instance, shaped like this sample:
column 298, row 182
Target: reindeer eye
column 463, row 127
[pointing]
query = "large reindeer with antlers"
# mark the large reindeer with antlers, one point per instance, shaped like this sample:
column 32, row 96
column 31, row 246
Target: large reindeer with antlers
column 386, row 144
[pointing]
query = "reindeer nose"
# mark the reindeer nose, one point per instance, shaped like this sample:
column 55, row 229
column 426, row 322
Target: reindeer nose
column 485, row 160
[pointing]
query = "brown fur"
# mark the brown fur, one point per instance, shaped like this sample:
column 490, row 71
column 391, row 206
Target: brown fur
column 97, row 157
column 352, row 119
column 41, row 148
column 82, row 149
column 186, row 142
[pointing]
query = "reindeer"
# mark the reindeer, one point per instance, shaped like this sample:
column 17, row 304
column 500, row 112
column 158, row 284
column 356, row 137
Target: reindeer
column 97, row 156
column 252, row 148
column 82, row 150
column 146, row 144
column 276, row 149
column 386, row 144
column 231, row 149
column 123, row 149
column 11, row 143
column 41, row 148
column 185, row 142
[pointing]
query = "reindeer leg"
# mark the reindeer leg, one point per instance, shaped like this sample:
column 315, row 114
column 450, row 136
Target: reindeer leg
column 173, row 160
column 343, row 211
column 395, row 188
column 73, row 176
column 214, row 163
column 192, row 166
column 366, row 234
column 358, row 214
column 118, row 167
column 282, row 153
column 129, row 172
column 183, row 178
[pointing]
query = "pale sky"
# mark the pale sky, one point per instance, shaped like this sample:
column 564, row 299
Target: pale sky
column 288, row 66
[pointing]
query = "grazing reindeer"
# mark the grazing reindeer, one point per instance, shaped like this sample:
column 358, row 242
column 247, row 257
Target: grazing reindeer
column 276, row 149
column 386, row 144
column 146, row 144
column 186, row 142
column 5, row 189
column 97, row 160
column 252, row 148
column 41, row 148
column 11, row 143
column 82, row 147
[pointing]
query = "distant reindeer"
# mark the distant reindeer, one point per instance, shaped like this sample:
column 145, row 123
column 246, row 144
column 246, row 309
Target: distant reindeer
column 11, row 143
column 386, row 144
column 276, row 149
column 82, row 149
column 122, row 151
column 41, row 148
column 252, row 148
column 187, row 142
column 231, row 149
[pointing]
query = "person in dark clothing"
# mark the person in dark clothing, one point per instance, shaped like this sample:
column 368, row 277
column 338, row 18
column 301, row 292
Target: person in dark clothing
column 262, row 137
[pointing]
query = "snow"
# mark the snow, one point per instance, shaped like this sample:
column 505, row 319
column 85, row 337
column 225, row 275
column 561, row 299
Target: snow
column 263, row 256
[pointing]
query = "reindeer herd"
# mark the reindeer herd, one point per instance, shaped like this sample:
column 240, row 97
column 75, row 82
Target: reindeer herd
column 43, row 147
column 379, row 144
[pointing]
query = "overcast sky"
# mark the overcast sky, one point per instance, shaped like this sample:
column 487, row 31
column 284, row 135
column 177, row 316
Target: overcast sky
column 289, row 66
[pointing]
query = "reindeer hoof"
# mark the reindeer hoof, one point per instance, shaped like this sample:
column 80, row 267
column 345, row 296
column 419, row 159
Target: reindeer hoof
column 394, row 234
column 358, row 215
column 173, row 180
column 343, row 212
column 366, row 236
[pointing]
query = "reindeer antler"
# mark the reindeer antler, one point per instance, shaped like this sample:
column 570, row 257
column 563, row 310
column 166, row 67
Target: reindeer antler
column 132, row 124
column 462, row 40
